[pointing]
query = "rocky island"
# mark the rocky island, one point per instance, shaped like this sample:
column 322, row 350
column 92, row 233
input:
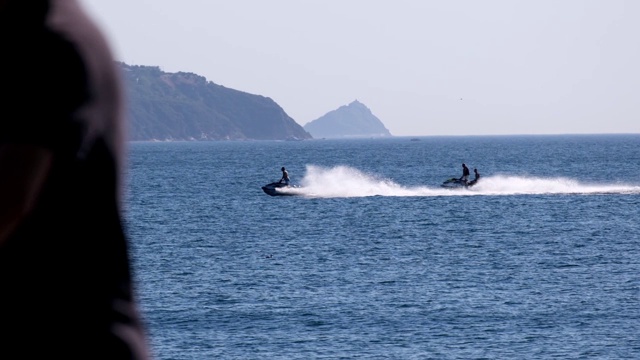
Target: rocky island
column 348, row 121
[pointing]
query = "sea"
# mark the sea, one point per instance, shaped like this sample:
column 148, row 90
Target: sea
column 373, row 259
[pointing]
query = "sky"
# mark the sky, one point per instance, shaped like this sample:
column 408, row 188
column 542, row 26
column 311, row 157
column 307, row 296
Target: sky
column 423, row 67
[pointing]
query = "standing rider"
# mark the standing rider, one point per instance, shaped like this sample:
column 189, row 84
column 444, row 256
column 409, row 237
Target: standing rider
column 285, row 176
column 465, row 173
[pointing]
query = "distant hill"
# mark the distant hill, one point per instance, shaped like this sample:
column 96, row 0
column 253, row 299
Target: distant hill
column 185, row 106
column 348, row 121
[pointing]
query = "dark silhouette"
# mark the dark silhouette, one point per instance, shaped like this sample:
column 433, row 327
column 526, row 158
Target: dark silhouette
column 285, row 176
column 66, row 287
column 476, row 178
column 465, row 173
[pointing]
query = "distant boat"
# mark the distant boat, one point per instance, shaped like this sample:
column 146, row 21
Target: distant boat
column 415, row 139
column 455, row 183
column 280, row 189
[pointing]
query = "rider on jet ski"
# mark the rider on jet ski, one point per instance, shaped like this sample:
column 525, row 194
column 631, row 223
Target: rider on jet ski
column 476, row 178
column 465, row 173
column 285, row 176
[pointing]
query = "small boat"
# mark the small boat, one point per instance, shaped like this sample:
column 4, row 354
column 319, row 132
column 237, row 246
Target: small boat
column 280, row 189
column 455, row 183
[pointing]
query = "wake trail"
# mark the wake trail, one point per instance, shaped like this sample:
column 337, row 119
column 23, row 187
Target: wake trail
column 344, row 181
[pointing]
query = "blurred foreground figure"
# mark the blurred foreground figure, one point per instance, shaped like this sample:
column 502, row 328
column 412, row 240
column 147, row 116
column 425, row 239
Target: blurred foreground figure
column 66, row 287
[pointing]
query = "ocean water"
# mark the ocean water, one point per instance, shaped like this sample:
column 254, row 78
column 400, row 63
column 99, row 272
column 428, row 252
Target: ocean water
column 374, row 260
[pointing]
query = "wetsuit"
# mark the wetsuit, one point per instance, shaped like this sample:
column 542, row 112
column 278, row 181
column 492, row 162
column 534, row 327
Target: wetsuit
column 285, row 177
column 465, row 173
column 477, row 177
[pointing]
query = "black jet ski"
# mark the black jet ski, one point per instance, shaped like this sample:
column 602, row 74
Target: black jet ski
column 455, row 183
column 280, row 189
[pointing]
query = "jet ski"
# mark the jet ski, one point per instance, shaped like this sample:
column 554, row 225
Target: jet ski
column 456, row 183
column 280, row 189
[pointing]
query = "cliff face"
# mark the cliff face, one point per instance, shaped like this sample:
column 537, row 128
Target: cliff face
column 353, row 120
column 185, row 106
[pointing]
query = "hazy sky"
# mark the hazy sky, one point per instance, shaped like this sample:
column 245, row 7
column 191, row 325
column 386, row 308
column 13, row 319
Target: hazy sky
column 446, row 67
